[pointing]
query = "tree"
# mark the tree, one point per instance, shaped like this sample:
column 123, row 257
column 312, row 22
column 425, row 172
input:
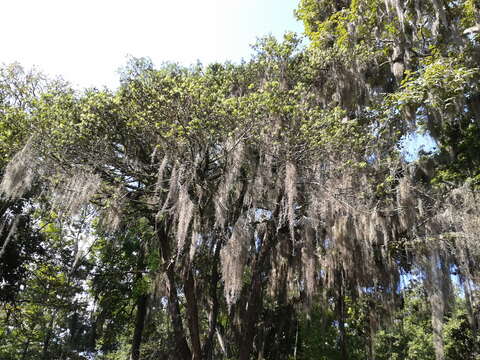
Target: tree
column 426, row 62
column 225, row 201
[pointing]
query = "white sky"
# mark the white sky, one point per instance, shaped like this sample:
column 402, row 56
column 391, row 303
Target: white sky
column 86, row 41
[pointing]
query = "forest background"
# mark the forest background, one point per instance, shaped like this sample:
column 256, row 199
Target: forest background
column 264, row 209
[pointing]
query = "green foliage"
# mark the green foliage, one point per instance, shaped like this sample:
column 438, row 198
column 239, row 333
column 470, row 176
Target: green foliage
column 460, row 340
column 182, row 157
column 319, row 336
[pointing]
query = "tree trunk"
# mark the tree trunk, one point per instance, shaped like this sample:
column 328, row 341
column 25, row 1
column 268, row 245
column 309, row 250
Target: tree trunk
column 181, row 345
column 11, row 233
column 435, row 287
column 141, row 310
column 182, row 349
column 139, row 325
column 214, row 279
column 192, row 315
column 341, row 318
column 260, row 270
column 250, row 318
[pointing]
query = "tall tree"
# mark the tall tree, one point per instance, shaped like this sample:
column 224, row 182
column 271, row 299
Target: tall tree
column 235, row 196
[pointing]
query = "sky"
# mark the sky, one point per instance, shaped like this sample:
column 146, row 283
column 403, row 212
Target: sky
column 414, row 142
column 87, row 41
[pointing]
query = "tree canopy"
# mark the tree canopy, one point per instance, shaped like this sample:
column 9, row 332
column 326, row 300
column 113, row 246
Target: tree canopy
column 257, row 210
